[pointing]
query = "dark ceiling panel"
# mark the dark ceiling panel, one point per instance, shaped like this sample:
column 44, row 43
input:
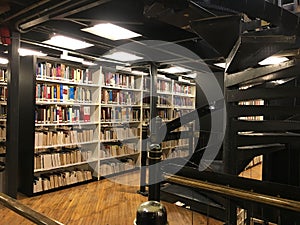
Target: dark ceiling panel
column 220, row 32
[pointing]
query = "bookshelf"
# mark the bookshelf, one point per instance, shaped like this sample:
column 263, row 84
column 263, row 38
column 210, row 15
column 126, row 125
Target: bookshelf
column 120, row 121
column 3, row 110
column 174, row 99
column 66, row 137
column 88, row 122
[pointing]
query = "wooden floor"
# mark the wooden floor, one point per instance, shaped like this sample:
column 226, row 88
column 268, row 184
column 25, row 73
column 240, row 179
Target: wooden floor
column 102, row 202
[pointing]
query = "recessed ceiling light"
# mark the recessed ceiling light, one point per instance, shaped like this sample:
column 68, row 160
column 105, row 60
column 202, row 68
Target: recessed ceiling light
column 122, row 56
column 111, row 31
column 3, row 61
column 25, row 52
column 273, row 60
column 175, row 69
column 67, row 42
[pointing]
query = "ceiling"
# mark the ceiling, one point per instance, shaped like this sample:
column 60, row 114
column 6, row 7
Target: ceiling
column 241, row 32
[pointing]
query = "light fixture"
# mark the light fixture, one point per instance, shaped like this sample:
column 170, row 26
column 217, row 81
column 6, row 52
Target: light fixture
column 122, row 56
column 222, row 65
column 3, row 61
column 111, row 31
column 26, row 52
column 65, row 56
column 67, row 42
column 88, row 63
column 273, row 60
column 175, row 69
column 136, row 72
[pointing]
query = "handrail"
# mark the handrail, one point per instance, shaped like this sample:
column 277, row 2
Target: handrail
column 26, row 212
column 234, row 192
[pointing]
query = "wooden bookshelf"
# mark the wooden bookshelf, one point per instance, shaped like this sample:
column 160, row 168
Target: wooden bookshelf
column 174, row 99
column 88, row 122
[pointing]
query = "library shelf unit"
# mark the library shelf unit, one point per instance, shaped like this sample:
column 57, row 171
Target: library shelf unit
column 86, row 122
column 120, row 121
column 174, row 99
column 3, row 110
column 66, row 125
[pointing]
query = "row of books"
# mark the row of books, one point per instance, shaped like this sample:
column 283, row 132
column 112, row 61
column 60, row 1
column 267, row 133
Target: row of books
column 56, row 159
column 116, row 150
column 120, row 80
column 164, row 86
column 56, row 137
column 60, row 71
column 3, row 75
column 165, row 114
column 122, row 114
column 2, row 149
column 120, row 97
column 60, row 179
column 116, row 166
column 62, row 114
column 181, row 101
column 175, row 143
column 62, row 93
column 180, row 88
column 3, row 93
column 2, row 132
column 175, row 154
column 119, row 133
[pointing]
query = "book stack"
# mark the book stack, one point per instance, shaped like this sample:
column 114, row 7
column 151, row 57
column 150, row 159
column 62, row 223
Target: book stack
column 56, row 159
column 62, row 72
column 62, row 136
column 59, row 179
column 118, row 133
column 164, row 86
column 62, row 93
column 115, row 114
column 179, row 88
column 116, row 166
column 119, row 80
column 117, row 150
column 46, row 114
column 3, row 93
column 181, row 101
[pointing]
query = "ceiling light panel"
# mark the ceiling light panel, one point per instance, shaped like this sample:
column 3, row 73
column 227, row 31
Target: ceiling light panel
column 67, row 42
column 123, row 56
column 272, row 60
column 26, row 52
column 111, row 31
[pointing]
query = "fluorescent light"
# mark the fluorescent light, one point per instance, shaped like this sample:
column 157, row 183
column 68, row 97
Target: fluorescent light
column 272, row 60
column 136, row 72
column 70, row 58
column 222, row 65
column 88, row 63
column 175, row 69
column 3, row 61
column 66, row 42
column 122, row 56
column 111, row 31
column 25, row 52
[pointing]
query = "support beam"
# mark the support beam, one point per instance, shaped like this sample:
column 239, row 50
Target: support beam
column 247, row 75
column 13, row 118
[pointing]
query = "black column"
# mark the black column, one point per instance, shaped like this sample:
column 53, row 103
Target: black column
column 154, row 155
column 27, row 123
column 12, row 138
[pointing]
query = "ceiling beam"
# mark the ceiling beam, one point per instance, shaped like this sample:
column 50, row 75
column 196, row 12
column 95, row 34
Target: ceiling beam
column 247, row 75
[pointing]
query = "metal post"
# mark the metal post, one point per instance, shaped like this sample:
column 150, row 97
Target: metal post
column 143, row 184
column 12, row 132
column 154, row 155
